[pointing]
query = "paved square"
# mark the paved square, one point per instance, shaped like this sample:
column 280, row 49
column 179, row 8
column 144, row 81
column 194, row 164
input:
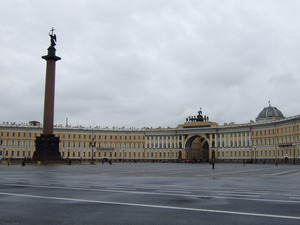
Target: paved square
column 150, row 193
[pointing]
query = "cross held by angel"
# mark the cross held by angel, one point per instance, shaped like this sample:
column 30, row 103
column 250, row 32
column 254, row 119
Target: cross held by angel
column 52, row 37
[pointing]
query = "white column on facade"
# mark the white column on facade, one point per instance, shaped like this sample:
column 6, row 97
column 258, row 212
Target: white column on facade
column 167, row 139
column 162, row 141
column 242, row 139
column 182, row 141
column 228, row 140
column 154, row 142
column 249, row 135
column 178, row 141
column 210, row 140
column 216, row 141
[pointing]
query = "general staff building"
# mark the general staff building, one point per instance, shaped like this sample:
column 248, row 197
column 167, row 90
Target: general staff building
column 270, row 138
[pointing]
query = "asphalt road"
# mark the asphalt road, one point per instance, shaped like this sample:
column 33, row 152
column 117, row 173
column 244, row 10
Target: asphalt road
column 146, row 193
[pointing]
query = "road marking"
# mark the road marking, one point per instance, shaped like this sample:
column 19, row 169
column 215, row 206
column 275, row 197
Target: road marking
column 154, row 193
column 283, row 172
column 298, row 198
column 238, row 195
column 174, row 191
column 233, row 172
column 122, row 188
column 154, row 206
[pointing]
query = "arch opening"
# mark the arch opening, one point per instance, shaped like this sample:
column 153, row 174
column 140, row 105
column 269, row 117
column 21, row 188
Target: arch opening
column 197, row 148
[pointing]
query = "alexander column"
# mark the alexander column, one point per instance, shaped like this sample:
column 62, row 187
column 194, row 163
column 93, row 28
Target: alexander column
column 47, row 145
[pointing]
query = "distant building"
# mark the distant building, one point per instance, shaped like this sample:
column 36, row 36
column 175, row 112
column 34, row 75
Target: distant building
column 272, row 137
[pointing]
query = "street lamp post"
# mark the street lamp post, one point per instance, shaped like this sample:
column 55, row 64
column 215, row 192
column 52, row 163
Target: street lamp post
column 1, row 141
column 294, row 156
column 92, row 144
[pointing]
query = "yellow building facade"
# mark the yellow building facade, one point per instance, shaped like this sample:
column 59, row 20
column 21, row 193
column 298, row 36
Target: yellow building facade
column 271, row 138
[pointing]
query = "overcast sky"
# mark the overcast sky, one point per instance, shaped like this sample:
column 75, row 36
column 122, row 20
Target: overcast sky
column 150, row 63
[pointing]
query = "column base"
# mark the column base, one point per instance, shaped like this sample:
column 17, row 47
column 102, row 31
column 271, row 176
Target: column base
column 47, row 148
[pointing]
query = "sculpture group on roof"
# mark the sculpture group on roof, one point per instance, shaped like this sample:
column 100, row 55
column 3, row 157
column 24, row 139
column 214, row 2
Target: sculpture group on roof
column 198, row 118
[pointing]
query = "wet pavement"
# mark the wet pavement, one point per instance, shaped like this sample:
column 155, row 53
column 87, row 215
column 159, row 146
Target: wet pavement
column 147, row 193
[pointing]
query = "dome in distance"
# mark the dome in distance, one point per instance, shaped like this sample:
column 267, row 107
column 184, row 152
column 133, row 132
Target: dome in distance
column 270, row 113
